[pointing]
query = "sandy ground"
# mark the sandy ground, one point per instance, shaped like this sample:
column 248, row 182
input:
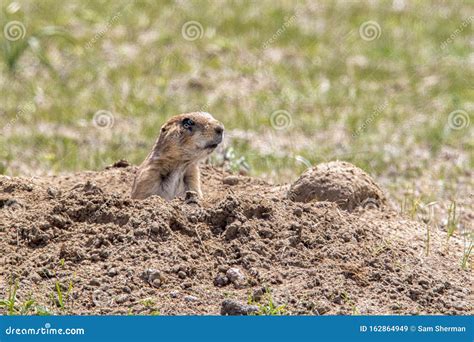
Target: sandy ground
column 341, row 250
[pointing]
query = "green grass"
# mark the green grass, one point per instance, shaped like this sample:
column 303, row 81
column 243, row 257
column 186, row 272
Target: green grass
column 382, row 104
column 267, row 306
column 452, row 221
column 12, row 306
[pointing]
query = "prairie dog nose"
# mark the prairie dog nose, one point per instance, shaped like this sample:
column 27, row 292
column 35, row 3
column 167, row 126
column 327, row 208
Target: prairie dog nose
column 219, row 130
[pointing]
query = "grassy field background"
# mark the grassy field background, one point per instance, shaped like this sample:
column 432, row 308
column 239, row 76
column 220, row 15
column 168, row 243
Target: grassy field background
column 386, row 85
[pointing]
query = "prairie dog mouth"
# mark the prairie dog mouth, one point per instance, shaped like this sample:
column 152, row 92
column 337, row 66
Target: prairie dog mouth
column 211, row 145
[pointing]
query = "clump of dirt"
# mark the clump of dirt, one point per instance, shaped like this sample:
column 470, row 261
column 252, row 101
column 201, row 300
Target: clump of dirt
column 109, row 254
column 338, row 182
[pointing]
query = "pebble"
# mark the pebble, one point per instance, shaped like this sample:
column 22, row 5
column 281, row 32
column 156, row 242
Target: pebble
column 232, row 230
column 156, row 282
column 231, row 307
column 191, row 299
column 221, row 280
column 112, row 272
column 153, row 277
column 191, row 197
column 298, row 212
column 182, row 274
column 236, row 276
column 155, row 228
column 52, row 192
column 121, row 299
column 258, row 294
column 231, row 180
column 94, row 282
column 35, row 277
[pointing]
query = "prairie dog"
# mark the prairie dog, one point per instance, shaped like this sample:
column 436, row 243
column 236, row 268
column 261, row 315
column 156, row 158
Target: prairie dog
column 172, row 166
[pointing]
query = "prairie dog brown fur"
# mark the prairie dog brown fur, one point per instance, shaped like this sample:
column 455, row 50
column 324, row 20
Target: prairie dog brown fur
column 172, row 166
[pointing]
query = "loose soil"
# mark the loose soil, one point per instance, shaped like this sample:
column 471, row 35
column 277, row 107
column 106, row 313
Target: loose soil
column 301, row 244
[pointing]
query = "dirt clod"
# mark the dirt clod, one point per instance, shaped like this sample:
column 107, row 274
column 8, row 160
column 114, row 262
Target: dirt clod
column 233, row 308
column 338, row 182
column 231, row 180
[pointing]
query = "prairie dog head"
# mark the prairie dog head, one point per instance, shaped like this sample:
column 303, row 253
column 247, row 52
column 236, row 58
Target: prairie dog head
column 189, row 137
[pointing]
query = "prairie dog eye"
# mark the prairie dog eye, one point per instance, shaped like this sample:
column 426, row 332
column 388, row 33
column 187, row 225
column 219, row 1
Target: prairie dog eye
column 188, row 124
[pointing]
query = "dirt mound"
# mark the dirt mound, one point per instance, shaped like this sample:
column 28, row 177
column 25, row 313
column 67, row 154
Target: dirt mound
column 338, row 182
column 82, row 235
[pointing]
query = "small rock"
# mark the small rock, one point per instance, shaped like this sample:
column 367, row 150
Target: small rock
column 174, row 294
column 186, row 285
column 94, row 282
column 139, row 232
column 118, row 164
column 155, row 228
column 258, row 294
column 231, row 180
column 231, row 307
column 112, row 272
column 232, row 230
column 182, row 274
column 153, row 277
column 221, row 280
column 53, row 192
column 191, row 197
column 236, row 276
column 191, row 299
column 298, row 212
column 127, row 289
column 121, row 299
column 35, row 277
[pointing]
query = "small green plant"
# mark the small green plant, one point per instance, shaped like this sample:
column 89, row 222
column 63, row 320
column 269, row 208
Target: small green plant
column 9, row 303
column 268, row 307
column 148, row 302
column 60, row 295
column 452, row 221
column 61, row 298
column 236, row 163
column 14, row 307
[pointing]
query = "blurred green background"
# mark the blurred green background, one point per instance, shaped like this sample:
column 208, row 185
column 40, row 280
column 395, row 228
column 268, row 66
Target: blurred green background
column 386, row 85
